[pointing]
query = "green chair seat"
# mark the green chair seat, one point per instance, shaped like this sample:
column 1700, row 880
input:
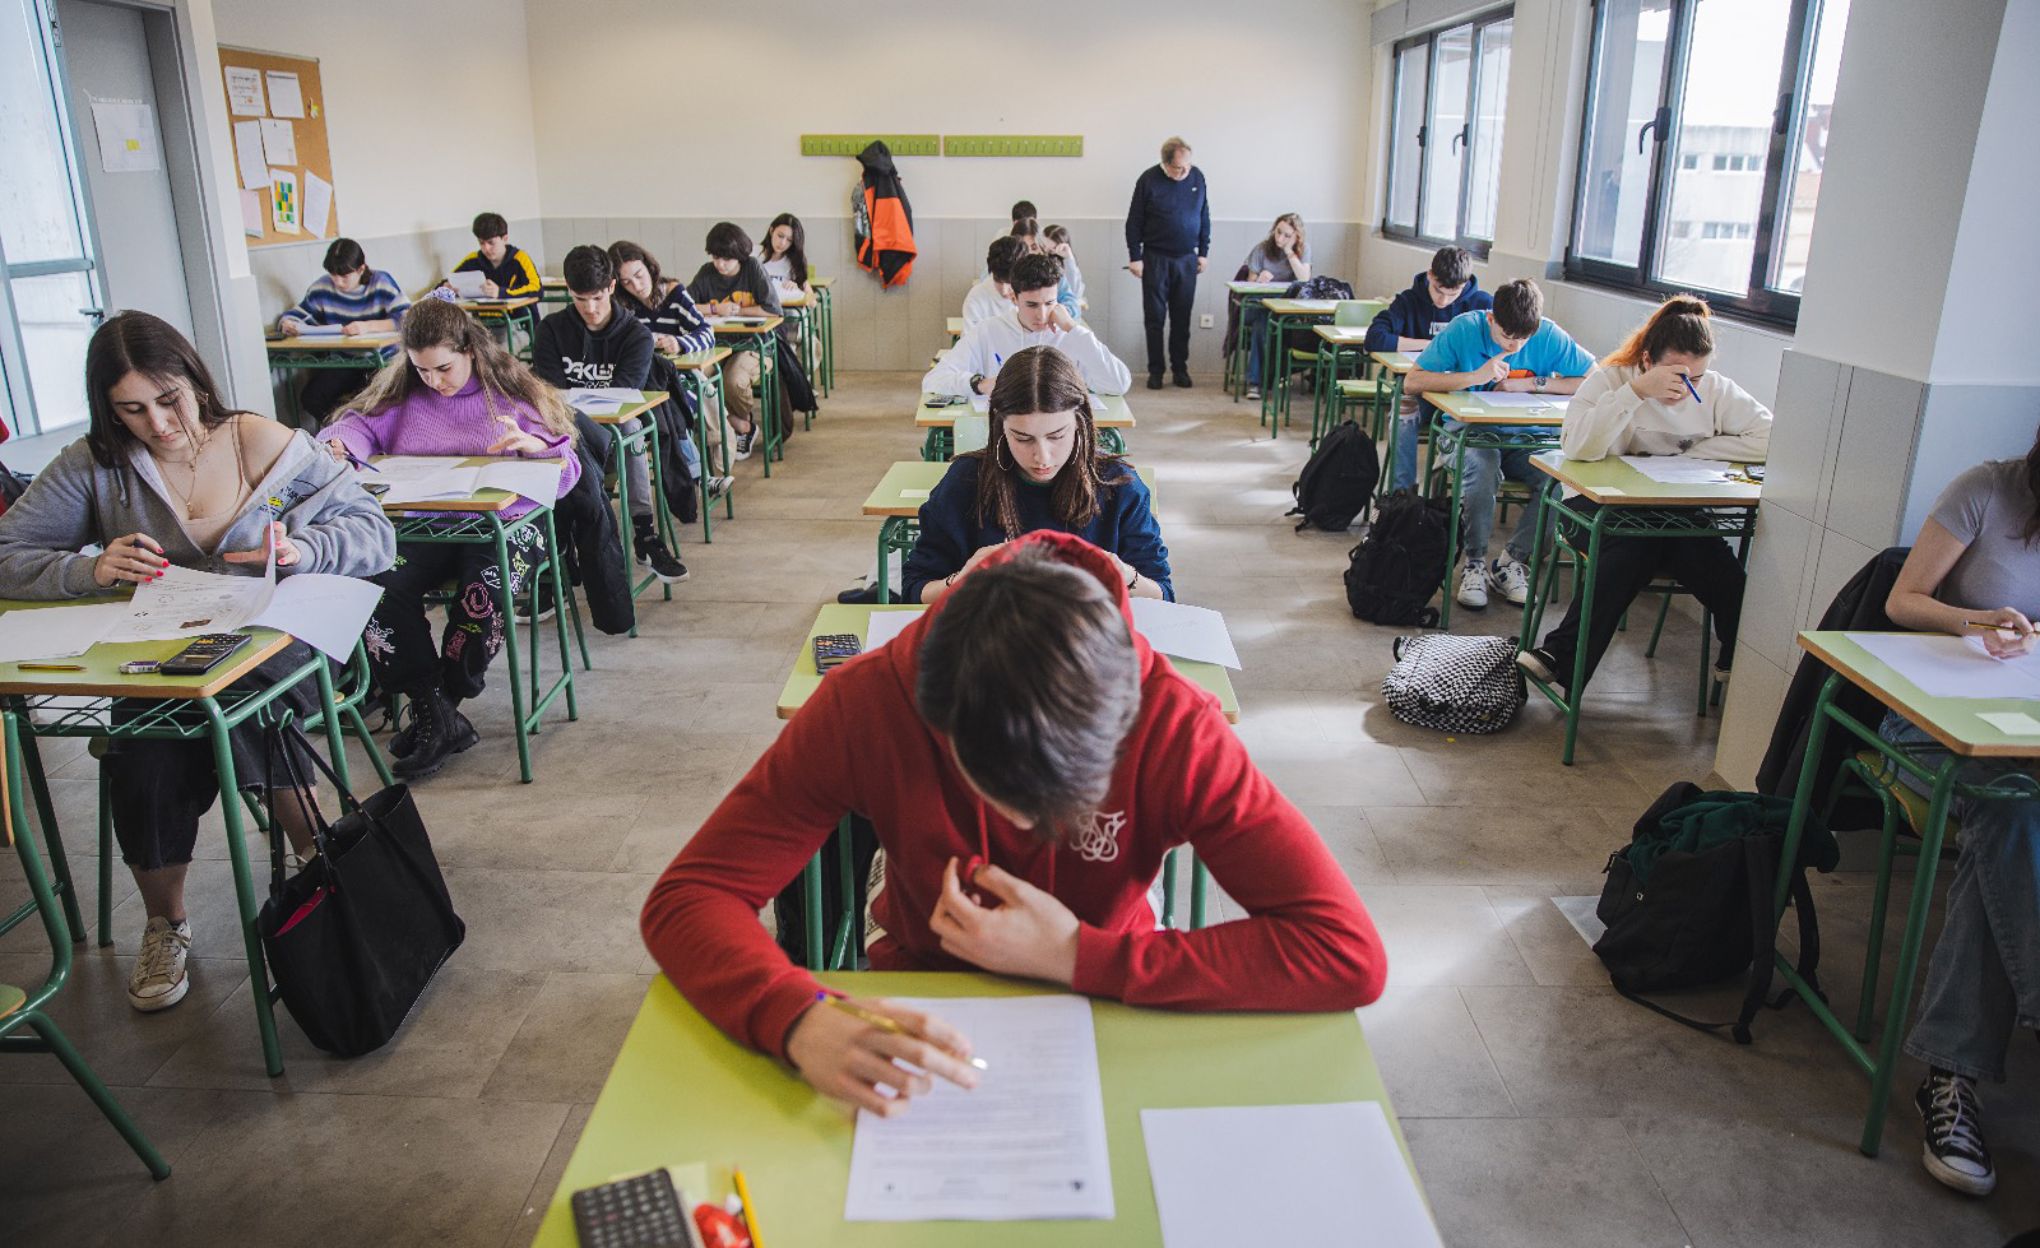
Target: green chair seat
column 1355, row 388
column 11, row 999
column 1911, row 803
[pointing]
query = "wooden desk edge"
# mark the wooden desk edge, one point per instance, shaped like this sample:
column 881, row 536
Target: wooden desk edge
column 1855, row 676
column 244, row 662
column 1598, row 494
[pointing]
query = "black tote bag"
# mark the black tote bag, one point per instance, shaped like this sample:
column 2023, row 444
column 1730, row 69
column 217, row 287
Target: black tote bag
column 355, row 936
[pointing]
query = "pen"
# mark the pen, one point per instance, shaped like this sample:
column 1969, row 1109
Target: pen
column 750, row 1210
column 882, row 1022
column 51, row 667
column 1689, row 387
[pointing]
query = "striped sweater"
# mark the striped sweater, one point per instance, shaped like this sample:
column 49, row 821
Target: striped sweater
column 325, row 304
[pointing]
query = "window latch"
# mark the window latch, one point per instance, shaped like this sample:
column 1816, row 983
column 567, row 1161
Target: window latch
column 1661, row 124
column 1459, row 138
column 1781, row 116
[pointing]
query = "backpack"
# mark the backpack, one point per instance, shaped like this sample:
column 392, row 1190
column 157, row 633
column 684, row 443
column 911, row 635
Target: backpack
column 1394, row 571
column 1338, row 481
column 1455, row 684
column 1319, row 288
column 1688, row 900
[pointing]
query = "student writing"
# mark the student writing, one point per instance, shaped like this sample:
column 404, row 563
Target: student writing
column 358, row 299
column 733, row 283
column 1028, row 231
column 1056, row 241
column 1655, row 395
column 507, row 272
column 784, row 255
column 1436, row 297
column 1035, row 320
column 167, row 474
column 1041, row 469
column 1026, row 759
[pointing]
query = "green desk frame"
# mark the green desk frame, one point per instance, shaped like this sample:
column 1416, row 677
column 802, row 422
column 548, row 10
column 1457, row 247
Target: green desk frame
column 706, row 384
column 1245, row 295
column 337, row 358
column 1274, row 379
column 1451, row 438
column 766, row 345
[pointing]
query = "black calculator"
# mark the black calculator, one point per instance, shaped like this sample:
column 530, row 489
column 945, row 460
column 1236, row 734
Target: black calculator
column 203, row 654
column 641, row 1211
column 833, row 650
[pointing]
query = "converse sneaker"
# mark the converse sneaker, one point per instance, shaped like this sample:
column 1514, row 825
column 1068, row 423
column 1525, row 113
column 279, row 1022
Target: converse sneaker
column 1511, row 579
column 159, row 981
column 1954, row 1151
column 1473, row 584
column 719, row 486
column 744, row 440
column 664, row 564
column 1542, row 664
column 1253, row 393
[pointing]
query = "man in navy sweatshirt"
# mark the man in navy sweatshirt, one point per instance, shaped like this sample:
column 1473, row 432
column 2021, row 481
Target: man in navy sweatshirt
column 1410, row 321
column 1168, row 237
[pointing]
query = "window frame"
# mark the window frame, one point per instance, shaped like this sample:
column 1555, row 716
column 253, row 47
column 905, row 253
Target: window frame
column 1761, row 303
column 1477, row 24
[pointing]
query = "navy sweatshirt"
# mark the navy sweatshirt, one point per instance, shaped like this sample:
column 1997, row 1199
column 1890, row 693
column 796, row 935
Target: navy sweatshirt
column 1411, row 313
column 951, row 534
column 570, row 355
column 1168, row 217
column 515, row 276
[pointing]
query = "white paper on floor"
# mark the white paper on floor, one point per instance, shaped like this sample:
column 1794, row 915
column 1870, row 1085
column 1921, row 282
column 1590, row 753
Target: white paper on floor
column 1579, row 911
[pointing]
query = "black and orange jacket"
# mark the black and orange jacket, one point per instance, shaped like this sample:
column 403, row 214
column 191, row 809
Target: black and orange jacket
column 885, row 221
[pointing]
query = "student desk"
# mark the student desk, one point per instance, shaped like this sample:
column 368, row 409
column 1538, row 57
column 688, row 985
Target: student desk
column 1245, row 295
column 898, row 497
column 683, row 1092
column 1338, row 345
column 955, row 327
column 1486, row 428
column 699, row 369
column 301, row 353
column 479, row 521
column 1630, row 505
column 1973, row 745
column 805, row 312
column 1283, row 315
column 1109, row 412
column 825, row 308
column 101, row 701
column 1390, row 369
column 759, row 334
column 643, row 442
column 512, row 312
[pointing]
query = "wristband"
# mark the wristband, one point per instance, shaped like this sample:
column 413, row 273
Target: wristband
column 1133, row 580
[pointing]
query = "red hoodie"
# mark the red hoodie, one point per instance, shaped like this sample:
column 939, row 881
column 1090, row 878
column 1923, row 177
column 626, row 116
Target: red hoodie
column 860, row 745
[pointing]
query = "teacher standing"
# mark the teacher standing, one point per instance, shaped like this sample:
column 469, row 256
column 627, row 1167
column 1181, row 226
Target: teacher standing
column 1168, row 237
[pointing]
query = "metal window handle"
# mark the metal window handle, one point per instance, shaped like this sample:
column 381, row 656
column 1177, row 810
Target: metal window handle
column 1661, row 124
column 1781, row 116
column 1423, row 135
column 1459, row 138
column 98, row 315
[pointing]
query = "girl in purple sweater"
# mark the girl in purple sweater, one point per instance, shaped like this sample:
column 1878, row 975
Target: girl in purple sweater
column 457, row 392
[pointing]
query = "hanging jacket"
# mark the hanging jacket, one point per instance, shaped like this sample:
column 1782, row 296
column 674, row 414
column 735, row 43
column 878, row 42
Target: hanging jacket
column 1859, row 607
column 675, row 419
column 885, row 221
column 589, row 540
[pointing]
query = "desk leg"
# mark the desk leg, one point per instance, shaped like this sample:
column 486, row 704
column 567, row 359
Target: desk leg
column 811, row 889
column 1584, row 576
column 1453, row 557
column 1200, row 879
column 559, row 580
column 46, row 816
column 520, row 726
column 768, row 400
column 244, row 884
column 662, row 515
column 626, row 533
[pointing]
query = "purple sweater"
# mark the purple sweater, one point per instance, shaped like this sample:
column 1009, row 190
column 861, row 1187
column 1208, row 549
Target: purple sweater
column 430, row 423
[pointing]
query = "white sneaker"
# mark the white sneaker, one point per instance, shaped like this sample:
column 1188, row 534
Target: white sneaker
column 1511, row 580
column 744, row 440
column 1473, row 584
column 159, row 981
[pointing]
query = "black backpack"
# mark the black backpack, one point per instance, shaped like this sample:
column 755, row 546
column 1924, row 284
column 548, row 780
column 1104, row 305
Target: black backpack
column 1705, row 916
column 1400, row 564
column 1319, row 288
column 1338, row 481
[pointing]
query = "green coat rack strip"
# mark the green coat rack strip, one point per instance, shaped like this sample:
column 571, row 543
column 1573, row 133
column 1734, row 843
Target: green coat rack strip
column 1013, row 145
column 852, row 144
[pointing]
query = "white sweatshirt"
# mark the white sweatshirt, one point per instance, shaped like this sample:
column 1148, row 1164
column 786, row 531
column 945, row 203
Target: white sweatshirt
column 984, row 301
column 1607, row 418
column 988, row 344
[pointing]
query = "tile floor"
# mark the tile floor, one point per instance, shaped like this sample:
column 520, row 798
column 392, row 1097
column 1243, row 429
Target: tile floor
column 1541, row 1108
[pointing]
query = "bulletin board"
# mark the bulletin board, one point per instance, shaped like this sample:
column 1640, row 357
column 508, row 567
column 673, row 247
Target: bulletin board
column 282, row 166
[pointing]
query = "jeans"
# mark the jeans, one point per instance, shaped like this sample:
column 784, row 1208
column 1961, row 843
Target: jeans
column 1254, row 325
column 638, row 472
column 1406, row 430
column 1168, row 289
column 1482, row 477
column 1983, row 979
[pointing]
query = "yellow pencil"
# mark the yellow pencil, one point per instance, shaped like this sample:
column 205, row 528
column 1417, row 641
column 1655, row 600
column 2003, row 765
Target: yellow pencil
column 750, row 1210
column 1986, row 625
column 873, row 1018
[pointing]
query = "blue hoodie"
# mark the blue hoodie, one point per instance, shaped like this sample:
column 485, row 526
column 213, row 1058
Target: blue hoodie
column 1412, row 313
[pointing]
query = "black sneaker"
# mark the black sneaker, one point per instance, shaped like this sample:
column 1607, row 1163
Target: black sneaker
column 1544, row 665
column 743, row 443
column 1154, row 381
column 652, row 553
column 441, row 732
column 1182, row 379
column 719, row 486
column 1954, row 1152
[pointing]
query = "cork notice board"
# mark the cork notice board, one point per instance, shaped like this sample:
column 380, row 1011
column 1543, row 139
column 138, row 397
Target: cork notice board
column 277, row 108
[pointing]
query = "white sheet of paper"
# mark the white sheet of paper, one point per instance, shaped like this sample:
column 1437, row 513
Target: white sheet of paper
column 187, row 603
column 594, row 400
column 467, row 283
column 981, row 404
column 322, row 610
column 251, row 213
column 248, row 155
column 127, row 136
column 2011, row 723
column 283, row 201
column 1182, row 631
column 318, row 204
column 426, row 487
column 535, row 479
column 244, row 91
column 308, row 330
column 1513, row 398
column 279, row 142
column 913, row 493
column 886, row 625
column 1680, row 469
column 56, row 632
column 404, row 467
column 285, row 99
column 1282, row 1174
column 1953, row 667
column 1027, row 1144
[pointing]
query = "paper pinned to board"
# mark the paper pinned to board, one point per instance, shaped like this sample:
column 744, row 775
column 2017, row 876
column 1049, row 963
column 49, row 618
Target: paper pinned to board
column 248, row 155
column 318, row 204
column 1182, row 631
column 283, row 201
column 279, row 142
column 127, row 136
column 244, row 91
column 251, row 213
column 285, row 97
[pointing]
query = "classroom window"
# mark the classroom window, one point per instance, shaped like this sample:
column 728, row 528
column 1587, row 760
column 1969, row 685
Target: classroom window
column 1445, row 134
column 1681, row 93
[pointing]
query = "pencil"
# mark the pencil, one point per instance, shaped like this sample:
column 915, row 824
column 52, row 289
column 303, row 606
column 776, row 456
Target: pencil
column 885, row 1023
column 1986, row 625
column 51, row 667
column 750, row 1210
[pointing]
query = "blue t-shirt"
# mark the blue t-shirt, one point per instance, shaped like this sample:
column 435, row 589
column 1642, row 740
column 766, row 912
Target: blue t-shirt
column 1466, row 344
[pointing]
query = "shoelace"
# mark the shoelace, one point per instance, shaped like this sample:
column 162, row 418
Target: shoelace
column 158, row 952
column 1952, row 1121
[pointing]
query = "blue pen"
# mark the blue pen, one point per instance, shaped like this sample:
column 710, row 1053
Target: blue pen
column 1689, row 387
column 997, row 360
column 352, row 458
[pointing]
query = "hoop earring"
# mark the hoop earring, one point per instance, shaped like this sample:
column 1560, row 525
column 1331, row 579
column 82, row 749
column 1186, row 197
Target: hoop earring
column 1008, row 465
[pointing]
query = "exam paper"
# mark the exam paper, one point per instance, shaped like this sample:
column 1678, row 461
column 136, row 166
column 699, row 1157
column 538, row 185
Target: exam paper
column 1028, row 1143
column 56, row 632
column 306, row 329
column 425, row 478
column 1681, row 469
column 600, row 400
column 981, row 404
column 467, row 283
column 323, row 611
column 1953, row 667
column 1515, row 398
column 1283, row 1174
column 886, row 625
column 1185, row 632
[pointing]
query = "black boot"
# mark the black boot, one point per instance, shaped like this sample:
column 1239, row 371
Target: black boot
column 439, row 732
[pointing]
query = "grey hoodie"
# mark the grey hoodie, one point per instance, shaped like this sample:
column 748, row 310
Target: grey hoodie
column 75, row 502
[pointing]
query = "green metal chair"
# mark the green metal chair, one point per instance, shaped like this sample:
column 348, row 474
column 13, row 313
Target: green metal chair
column 1327, row 362
column 1200, row 883
column 24, row 1027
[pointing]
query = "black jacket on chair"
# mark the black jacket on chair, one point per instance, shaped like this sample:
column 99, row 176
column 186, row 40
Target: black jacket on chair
column 1858, row 607
column 589, row 542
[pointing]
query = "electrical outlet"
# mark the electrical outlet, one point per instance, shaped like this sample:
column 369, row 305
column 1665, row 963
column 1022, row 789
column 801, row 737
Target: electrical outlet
column 1204, row 322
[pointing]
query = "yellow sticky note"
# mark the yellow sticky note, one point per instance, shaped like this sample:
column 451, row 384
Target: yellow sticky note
column 134, row 145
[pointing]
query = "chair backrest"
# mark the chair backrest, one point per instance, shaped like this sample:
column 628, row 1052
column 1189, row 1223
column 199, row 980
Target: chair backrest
column 1357, row 312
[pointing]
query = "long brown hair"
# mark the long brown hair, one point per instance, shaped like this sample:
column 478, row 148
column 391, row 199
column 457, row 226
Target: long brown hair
column 438, row 323
column 1042, row 379
column 1681, row 323
column 1295, row 222
column 136, row 342
column 2032, row 489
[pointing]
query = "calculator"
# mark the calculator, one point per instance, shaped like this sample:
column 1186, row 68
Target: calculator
column 640, row 1211
column 833, row 650
column 203, row 654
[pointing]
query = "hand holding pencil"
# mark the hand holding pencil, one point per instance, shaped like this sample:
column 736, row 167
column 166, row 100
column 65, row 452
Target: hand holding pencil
column 877, row 1055
column 2007, row 633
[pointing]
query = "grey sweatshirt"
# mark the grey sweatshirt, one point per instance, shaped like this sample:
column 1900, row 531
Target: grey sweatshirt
column 75, row 502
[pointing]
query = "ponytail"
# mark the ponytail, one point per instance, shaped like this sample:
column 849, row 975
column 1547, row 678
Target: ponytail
column 1681, row 323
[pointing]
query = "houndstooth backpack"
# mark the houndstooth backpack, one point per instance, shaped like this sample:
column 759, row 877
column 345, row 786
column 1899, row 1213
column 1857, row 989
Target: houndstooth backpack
column 1455, row 684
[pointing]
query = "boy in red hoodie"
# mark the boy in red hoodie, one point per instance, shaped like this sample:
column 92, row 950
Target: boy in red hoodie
column 1026, row 760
